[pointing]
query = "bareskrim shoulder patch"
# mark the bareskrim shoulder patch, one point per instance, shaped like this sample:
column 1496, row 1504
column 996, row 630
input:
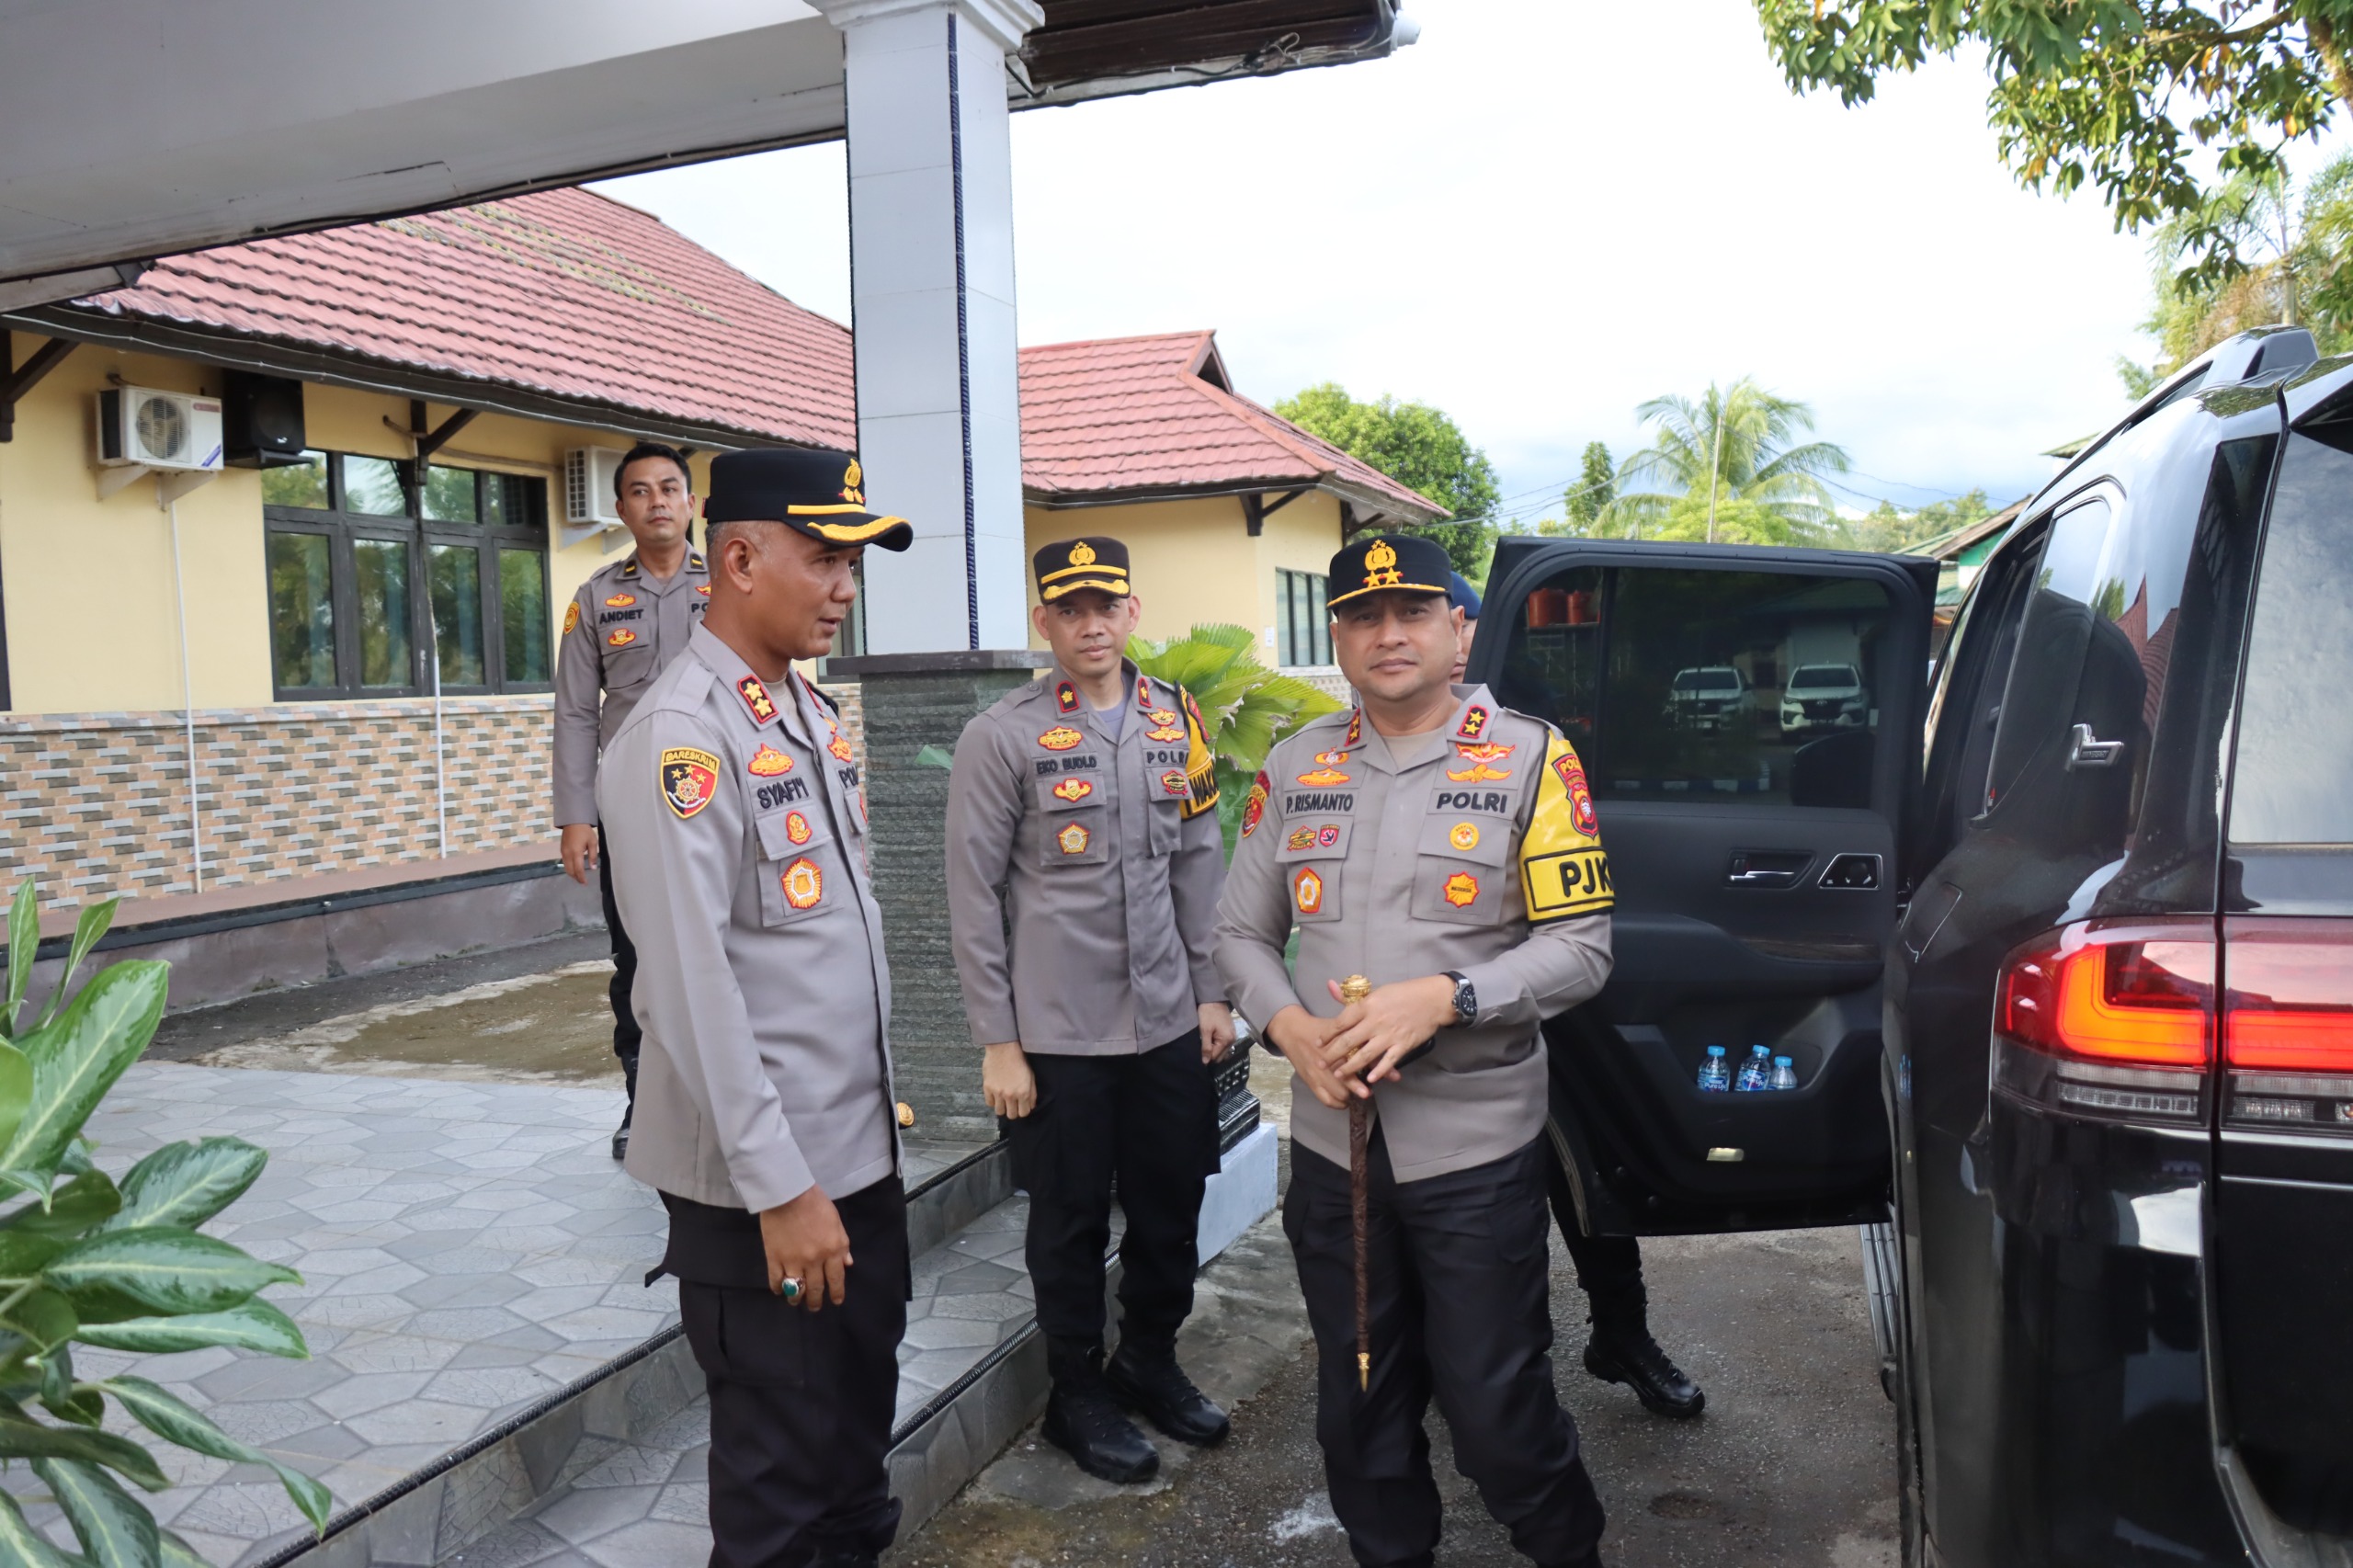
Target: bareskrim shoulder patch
column 688, row 776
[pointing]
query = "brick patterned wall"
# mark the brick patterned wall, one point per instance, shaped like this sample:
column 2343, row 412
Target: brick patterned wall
column 96, row 805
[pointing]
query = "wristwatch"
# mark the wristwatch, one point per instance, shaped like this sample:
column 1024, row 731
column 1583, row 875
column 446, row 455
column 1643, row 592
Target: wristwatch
column 1466, row 999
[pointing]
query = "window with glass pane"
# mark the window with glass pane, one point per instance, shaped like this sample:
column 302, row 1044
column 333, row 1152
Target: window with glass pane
column 1675, row 684
column 302, row 611
column 380, row 583
column 457, row 612
column 303, row 484
column 372, row 487
column 523, row 613
column 450, row 495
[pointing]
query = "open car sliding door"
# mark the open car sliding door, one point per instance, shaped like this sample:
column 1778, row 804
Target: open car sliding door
column 1749, row 719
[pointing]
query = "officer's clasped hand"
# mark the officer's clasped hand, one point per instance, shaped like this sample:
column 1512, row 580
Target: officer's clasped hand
column 1301, row 1036
column 804, row 1240
column 1371, row 1037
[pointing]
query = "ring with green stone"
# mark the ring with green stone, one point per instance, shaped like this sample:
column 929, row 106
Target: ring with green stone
column 792, row 1291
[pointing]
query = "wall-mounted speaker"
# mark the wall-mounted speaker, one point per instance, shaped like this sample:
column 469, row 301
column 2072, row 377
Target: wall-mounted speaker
column 261, row 420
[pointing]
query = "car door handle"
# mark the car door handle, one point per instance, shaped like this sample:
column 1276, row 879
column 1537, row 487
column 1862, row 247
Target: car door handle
column 2087, row 750
column 1767, row 867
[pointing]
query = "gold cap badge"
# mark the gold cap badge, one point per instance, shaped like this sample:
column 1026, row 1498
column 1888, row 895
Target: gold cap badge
column 1082, row 554
column 853, row 483
column 1380, row 565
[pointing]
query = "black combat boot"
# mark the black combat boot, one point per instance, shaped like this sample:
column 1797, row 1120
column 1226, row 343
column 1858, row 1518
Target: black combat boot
column 1144, row 1377
column 1085, row 1421
column 1622, row 1351
column 628, row 1082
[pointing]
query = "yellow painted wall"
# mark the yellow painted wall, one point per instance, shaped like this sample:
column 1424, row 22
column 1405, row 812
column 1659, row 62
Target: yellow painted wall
column 88, row 585
column 1194, row 561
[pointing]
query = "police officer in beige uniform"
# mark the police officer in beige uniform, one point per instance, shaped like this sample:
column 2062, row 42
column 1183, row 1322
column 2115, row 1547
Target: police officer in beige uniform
column 1444, row 849
column 627, row 622
column 737, row 833
column 1085, row 859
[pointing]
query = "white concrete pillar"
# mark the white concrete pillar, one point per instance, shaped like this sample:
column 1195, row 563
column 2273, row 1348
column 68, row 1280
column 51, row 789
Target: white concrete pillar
column 932, row 304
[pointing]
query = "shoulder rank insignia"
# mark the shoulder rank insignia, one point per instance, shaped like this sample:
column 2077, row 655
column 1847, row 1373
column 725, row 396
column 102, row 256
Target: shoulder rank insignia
column 755, row 698
column 687, row 777
column 571, row 617
column 620, row 639
column 1356, row 727
column 1475, row 724
column 1254, row 805
column 1460, row 889
column 629, row 567
column 1072, row 789
column 803, row 884
column 620, row 601
column 796, row 828
column 1061, row 737
column 767, row 762
column 1065, row 698
column 1073, row 839
column 694, row 562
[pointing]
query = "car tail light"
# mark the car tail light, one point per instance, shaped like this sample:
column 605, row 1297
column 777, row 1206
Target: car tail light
column 2110, row 1017
column 2287, row 1022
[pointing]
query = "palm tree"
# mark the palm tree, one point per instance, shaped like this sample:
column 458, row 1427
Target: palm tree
column 1728, row 466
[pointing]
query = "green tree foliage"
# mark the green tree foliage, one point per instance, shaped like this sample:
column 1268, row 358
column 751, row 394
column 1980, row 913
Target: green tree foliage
column 1766, row 484
column 1588, row 498
column 1886, row 528
column 82, row 1260
column 1420, row 447
column 1246, row 706
column 2294, row 251
column 2127, row 96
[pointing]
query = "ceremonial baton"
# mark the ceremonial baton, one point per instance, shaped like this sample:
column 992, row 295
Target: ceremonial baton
column 1355, row 988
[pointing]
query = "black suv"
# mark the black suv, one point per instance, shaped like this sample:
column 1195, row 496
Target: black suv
column 2067, row 922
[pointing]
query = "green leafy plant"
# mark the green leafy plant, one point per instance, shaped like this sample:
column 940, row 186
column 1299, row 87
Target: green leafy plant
column 1246, row 706
column 84, row 1261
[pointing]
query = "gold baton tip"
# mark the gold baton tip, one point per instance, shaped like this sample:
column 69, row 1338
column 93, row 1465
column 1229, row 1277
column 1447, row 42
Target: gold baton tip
column 1364, row 1371
column 1355, row 988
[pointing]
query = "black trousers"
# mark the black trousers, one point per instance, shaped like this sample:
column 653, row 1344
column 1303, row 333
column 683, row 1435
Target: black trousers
column 1609, row 1269
column 801, row 1403
column 1148, row 1122
column 627, row 1036
column 1458, row 1309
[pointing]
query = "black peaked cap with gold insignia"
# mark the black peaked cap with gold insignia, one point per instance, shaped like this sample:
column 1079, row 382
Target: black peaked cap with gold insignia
column 1075, row 563
column 1404, row 564
column 813, row 490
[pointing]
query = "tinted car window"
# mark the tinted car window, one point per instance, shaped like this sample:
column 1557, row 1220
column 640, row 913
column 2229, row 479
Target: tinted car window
column 2293, row 782
column 1676, row 684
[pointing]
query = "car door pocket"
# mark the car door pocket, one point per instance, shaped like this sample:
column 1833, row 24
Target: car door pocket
column 1767, row 868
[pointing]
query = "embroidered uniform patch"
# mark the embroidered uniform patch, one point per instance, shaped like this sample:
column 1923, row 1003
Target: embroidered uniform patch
column 1073, row 839
column 1173, row 783
column 703, row 589
column 1477, row 773
column 1564, row 870
column 803, row 884
column 571, row 617
column 1061, row 737
column 1307, row 892
column 1486, row 751
column 1327, row 836
column 767, row 762
column 755, row 698
column 620, row 601
column 1072, row 789
column 1462, row 888
column 1254, row 805
column 1356, row 727
column 1161, row 717
column 687, row 777
column 1328, row 773
column 1164, row 733
column 796, row 828
column 1065, row 698
column 1475, row 724
column 839, row 746
column 1463, row 835
column 1300, row 838
column 1571, row 773
column 620, row 639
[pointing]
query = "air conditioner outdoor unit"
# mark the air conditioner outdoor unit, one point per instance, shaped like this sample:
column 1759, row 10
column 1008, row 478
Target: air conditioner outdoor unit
column 141, row 428
column 588, row 474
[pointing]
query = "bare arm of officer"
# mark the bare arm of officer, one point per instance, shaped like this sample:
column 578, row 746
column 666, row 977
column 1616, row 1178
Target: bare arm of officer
column 804, row 1240
column 579, row 681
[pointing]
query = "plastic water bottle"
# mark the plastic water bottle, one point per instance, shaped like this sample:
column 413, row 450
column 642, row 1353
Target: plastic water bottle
column 1756, row 1073
column 1715, row 1074
column 1784, row 1076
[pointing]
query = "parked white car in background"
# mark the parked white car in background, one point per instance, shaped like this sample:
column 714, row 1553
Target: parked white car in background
column 1824, row 697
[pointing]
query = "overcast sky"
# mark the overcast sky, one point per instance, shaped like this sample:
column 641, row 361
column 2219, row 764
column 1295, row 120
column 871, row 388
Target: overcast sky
column 1539, row 215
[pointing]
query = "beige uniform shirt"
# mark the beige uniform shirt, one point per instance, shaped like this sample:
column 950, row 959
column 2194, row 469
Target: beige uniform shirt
column 620, row 631
column 1084, row 869
column 737, row 829
column 1480, row 854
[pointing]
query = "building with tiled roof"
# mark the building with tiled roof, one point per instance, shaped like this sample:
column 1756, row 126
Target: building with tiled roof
column 446, row 373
